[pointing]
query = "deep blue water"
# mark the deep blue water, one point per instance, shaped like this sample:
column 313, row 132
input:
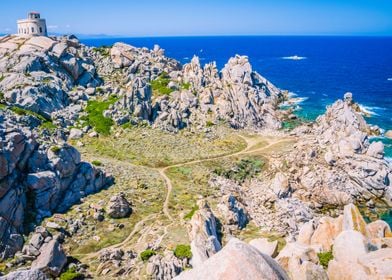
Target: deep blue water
column 332, row 66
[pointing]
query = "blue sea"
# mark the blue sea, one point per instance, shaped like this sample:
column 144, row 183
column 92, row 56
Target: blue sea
column 317, row 69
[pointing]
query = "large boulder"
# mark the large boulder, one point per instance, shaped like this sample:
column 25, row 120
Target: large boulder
column 237, row 260
column 119, row 207
column 203, row 235
column 31, row 274
column 264, row 246
column 52, row 258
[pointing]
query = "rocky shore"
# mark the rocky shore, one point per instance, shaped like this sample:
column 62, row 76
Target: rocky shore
column 56, row 93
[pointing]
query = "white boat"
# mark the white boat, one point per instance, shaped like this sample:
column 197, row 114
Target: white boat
column 294, row 57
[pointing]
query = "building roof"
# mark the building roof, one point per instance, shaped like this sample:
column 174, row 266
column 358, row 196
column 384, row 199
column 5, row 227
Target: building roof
column 34, row 12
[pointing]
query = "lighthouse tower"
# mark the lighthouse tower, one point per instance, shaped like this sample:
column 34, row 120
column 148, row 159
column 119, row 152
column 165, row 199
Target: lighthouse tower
column 34, row 25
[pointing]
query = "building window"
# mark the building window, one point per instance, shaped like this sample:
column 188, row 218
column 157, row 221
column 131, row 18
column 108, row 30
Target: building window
column 40, row 30
column 32, row 29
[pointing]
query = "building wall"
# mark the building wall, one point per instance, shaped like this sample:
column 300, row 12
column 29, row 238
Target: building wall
column 32, row 27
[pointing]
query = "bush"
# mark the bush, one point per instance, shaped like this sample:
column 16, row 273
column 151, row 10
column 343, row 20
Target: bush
column 186, row 86
column 147, row 254
column 55, row 149
column 244, row 169
column 160, row 85
column 209, row 124
column 71, row 274
column 96, row 163
column 95, row 116
column 104, row 50
column 191, row 213
column 324, row 258
column 183, row 251
column 24, row 112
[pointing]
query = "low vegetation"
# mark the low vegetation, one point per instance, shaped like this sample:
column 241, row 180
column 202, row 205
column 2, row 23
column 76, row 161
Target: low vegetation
column 191, row 213
column 160, row 85
column 183, row 251
column 96, row 163
column 147, row 254
column 71, row 274
column 95, row 118
column 325, row 257
column 104, row 50
column 55, row 149
column 244, row 169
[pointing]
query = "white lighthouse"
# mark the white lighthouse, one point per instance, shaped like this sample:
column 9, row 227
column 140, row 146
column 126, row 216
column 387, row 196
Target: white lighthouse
column 34, row 25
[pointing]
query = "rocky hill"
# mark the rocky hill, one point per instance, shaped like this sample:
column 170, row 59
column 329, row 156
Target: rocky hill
column 204, row 178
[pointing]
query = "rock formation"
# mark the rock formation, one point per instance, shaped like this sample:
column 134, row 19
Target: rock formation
column 203, row 235
column 237, row 260
column 118, row 207
column 37, row 180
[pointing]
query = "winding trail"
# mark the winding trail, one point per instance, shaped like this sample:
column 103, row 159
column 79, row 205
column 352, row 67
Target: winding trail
column 245, row 151
column 250, row 143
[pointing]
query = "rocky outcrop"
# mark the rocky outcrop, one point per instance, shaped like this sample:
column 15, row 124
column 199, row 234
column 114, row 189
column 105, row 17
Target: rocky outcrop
column 118, row 207
column 31, row 274
column 237, row 260
column 52, row 258
column 359, row 250
column 37, row 180
column 233, row 211
column 332, row 164
column 38, row 72
column 165, row 267
column 203, row 235
column 195, row 96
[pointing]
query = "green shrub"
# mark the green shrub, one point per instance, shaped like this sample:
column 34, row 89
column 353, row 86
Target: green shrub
column 71, row 274
column 96, row 163
column 186, row 86
column 324, row 258
column 191, row 213
column 244, row 169
column 183, row 251
column 104, row 50
column 2, row 77
column 48, row 126
column 24, row 112
column 95, row 116
column 209, row 124
column 160, row 85
column 147, row 254
column 55, row 149
column 1, row 96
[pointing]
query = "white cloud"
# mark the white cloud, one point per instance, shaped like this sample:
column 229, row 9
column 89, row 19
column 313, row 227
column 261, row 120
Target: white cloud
column 53, row 26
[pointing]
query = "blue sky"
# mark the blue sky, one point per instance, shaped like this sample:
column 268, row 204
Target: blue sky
column 205, row 17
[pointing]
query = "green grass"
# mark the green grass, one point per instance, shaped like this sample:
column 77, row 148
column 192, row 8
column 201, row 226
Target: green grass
column 186, row 86
column 95, row 118
column 160, row 85
column 191, row 213
column 183, row 251
column 244, row 169
column 71, row 274
column 209, row 124
column 24, row 112
column 96, row 163
column 55, row 149
column 324, row 258
column 147, row 254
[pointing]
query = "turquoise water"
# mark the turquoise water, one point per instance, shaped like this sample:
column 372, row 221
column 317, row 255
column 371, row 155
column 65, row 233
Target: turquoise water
column 322, row 71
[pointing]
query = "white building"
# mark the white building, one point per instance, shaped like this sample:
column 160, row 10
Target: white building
column 34, row 25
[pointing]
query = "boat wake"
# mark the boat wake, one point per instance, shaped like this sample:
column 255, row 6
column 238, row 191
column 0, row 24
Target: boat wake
column 389, row 79
column 294, row 57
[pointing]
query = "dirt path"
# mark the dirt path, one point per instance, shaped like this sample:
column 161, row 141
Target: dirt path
column 246, row 150
column 162, row 171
